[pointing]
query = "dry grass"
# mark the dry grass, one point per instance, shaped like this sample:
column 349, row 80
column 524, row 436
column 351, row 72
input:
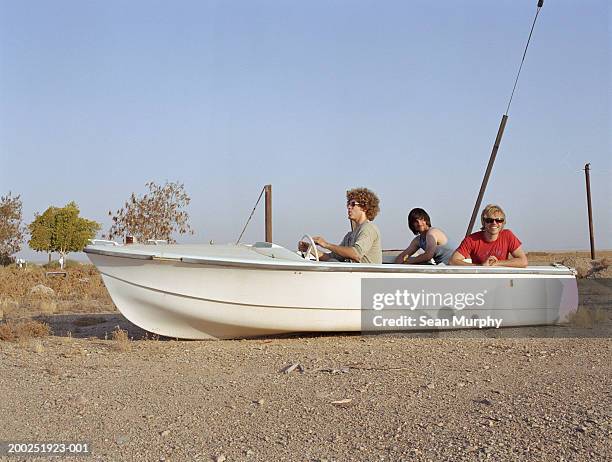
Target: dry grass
column 586, row 317
column 21, row 330
column 28, row 291
column 37, row 346
column 121, row 340
column 602, row 266
column 83, row 281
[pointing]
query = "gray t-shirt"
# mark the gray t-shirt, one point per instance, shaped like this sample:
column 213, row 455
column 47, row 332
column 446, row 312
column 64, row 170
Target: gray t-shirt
column 365, row 239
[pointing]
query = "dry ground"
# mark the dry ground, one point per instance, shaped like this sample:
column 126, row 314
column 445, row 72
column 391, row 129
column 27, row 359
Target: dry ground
column 515, row 394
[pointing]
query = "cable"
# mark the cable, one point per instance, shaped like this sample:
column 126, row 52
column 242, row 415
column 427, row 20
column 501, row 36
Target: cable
column 540, row 3
column 251, row 216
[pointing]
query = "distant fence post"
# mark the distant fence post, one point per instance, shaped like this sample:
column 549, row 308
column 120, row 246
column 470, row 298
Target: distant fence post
column 587, row 175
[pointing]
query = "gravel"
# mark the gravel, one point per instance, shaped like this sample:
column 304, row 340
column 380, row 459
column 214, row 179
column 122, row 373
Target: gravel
column 458, row 396
column 427, row 399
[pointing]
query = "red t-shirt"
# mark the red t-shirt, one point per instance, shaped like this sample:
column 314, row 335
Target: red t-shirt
column 475, row 247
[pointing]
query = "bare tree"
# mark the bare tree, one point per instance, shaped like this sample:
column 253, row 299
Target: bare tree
column 157, row 214
column 11, row 230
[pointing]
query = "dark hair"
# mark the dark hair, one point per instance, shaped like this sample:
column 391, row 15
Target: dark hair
column 415, row 214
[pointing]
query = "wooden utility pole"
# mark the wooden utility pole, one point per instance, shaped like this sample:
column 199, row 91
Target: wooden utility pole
column 485, row 180
column 587, row 175
column 268, row 189
column 500, row 132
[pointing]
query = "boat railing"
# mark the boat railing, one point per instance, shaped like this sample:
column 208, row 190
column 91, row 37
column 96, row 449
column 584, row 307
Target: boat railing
column 104, row 242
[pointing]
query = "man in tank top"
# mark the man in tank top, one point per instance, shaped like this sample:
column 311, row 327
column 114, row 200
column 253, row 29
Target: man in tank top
column 433, row 241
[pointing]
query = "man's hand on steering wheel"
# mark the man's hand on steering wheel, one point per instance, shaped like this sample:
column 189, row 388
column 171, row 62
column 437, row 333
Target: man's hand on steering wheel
column 307, row 247
column 320, row 241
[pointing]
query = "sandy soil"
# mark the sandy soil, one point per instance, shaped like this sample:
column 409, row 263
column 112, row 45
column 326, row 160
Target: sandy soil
column 515, row 394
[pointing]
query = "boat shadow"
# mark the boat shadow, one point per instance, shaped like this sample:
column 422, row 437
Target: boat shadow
column 95, row 325
column 102, row 325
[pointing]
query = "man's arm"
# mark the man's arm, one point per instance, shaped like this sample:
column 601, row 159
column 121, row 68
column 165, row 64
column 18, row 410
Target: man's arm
column 412, row 247
column 518, row 260
column 457, row 260
column 346, row 252
column 465, row 248
column 430, row 248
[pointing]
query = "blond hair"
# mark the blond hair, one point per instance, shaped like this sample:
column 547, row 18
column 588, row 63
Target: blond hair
column 489, row 209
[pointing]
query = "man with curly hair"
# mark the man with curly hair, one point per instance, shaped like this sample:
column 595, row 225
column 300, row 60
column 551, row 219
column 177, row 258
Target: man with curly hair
column 362, row 244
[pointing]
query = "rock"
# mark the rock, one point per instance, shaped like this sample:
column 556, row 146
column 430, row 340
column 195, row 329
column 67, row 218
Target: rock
column 40, row 289
column 219, row 458
column 165, row 433
column 291, row 367
column 122, row 439
column 80, row 400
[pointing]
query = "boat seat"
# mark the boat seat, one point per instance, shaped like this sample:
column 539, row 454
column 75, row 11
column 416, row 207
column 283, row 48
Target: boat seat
column 388, row 256
column 388, row 259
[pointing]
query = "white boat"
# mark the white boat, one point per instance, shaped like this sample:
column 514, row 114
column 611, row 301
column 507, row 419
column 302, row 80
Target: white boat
column 240, row 291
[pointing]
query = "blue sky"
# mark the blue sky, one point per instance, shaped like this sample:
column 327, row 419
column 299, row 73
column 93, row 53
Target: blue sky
column 403, row 97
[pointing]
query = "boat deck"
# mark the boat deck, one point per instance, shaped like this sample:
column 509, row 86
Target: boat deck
column 262, row 255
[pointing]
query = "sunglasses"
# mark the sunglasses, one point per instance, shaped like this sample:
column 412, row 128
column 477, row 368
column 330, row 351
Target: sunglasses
column 488, row 221
column 352, row 203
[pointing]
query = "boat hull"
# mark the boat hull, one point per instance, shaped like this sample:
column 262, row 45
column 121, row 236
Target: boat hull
column 210, row 300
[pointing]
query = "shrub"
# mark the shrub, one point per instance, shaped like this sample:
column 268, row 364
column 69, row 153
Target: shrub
column 121, row 339
column 23, row 329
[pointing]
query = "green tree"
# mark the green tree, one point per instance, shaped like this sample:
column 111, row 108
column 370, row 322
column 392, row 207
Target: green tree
column 41, row 231
column 61, row 230
column 155, row 215
column 71, row 232
column 11, row 229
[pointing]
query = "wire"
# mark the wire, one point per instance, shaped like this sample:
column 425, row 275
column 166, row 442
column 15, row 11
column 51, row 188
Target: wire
column 524, row 54
column 251, row 216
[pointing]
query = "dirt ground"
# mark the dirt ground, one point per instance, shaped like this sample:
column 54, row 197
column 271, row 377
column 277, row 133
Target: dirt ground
column 541, row 394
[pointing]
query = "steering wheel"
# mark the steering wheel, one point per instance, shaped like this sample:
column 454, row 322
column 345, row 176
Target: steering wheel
column 311, row 245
